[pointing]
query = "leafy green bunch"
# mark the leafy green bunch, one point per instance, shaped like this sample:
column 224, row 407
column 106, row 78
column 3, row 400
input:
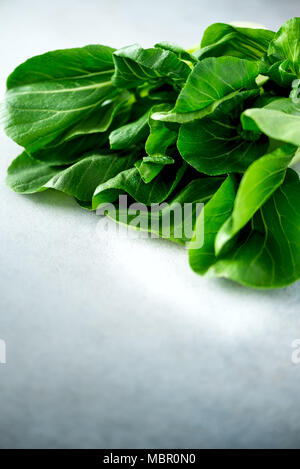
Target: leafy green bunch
column 220, row 125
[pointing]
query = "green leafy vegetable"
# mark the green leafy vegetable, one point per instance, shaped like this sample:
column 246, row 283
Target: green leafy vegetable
column 135, row 65
column 285, row 45
column 212, row 82
column 130, row 134
column 61, row 91
column 214, row 78
column 268, row 253
column 214, row 214
column 259, row 182
column 172, row 130
column 218, row 146
column 130, row 182
column 273, row 123
column 27, row 175
column 179, row 51
column 161, row 222
column 283, row 56
column 222, row 39
column 150, row 166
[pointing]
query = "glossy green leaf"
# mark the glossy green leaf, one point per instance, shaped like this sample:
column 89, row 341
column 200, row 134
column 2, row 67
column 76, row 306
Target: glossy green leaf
column 71, row 150
column 50, row 94
column 283, row 60
column 273, row 123
column 130, row 182
column 62, row 64
column 286, row 44
column 214, row 78
column 130, row 134
column 162, row 135
column 281, row 73
column 84, row 138
column 171, row 220
column 27, row 175
column 218, row 109
column 214, row 214
column 217, row 146
column 222, row 39
column 287, row 105
column 112, row 113
column 214, row 82
column 135, row 65
column 150, row 166
column 259, row 182
column 268, row 254
column 179, row 51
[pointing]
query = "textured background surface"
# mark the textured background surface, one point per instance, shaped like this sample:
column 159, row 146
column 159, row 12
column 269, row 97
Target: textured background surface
column 114, row 342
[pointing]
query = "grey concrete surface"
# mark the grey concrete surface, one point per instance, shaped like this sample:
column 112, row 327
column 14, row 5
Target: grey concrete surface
column 115, row 343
